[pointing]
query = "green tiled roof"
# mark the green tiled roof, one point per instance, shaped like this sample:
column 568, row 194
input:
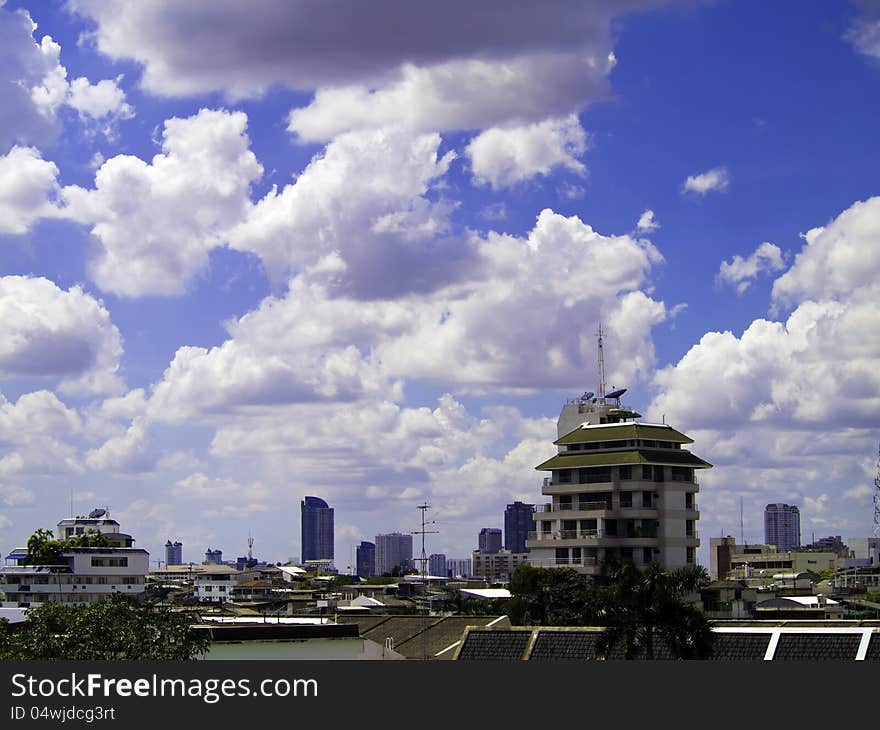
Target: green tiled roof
column 624, row 431
column 674, row 457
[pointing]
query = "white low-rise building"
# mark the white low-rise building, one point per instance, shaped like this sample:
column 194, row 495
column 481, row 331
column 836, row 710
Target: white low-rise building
column 82, row 574
column 215, row 582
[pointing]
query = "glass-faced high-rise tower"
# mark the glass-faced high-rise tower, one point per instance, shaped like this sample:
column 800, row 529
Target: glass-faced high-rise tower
column 317, row 529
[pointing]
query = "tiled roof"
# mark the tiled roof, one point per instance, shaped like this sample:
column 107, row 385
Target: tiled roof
column 494, row 644
column 562, row 645
column 873, row 649
column 740, row 646
column 817, row 646
column 816, row 643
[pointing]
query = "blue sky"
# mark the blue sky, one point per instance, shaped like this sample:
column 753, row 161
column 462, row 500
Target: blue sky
column 252, row 253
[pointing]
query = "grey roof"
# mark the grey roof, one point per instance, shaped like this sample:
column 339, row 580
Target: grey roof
column 817, row 646
column 740, row 646
column 494, row 644
column 746, row 643
column 562, row 645
column 873, row 649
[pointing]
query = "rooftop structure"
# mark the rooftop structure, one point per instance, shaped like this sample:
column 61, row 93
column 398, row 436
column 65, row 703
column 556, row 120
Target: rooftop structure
column 618, row 488
column 81, row 574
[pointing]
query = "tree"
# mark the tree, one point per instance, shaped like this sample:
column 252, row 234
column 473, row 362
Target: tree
column 117, row 627
column 549, row 597
column 44, row 549
column 638, row 605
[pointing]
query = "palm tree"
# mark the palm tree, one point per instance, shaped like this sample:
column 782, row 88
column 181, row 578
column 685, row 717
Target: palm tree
column 638, row 605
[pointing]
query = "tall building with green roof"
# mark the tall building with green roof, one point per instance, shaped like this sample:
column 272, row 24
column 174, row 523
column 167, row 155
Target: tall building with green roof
column 619, row 488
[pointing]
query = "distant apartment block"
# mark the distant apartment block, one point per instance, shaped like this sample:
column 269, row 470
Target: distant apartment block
column 782, row 526
column 459, row 567
column 394, row 553
column 365, row 559
column 519, row 521
column 174, row 553
column 489, row 540
column 497, row 566
column 437, row 564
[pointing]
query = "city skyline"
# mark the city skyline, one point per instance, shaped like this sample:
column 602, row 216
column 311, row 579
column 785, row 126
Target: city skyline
column 238, row 268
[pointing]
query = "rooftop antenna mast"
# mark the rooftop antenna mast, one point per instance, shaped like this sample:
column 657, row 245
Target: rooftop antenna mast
column 742, row 533
column 601, row 392
column 424, row 559
column 250, row 547
column 877, row 498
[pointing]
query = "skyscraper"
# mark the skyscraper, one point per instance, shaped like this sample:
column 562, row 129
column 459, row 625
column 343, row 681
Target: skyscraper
column 174, row 553
column 365, row 559
column 393, row 550
column 317, row 529
column 489, row 540
column 782, row 526
column 519, row 521
column 437, row 564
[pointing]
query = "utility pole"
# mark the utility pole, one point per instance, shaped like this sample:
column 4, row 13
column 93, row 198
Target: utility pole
column 601, row 392
column 877, row 498
column 424, row 559
column 424, row 573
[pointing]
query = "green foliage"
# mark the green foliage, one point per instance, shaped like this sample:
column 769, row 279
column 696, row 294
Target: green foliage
column 637, row 605
column 115, row 628
column 549, row 597
column 43, row 549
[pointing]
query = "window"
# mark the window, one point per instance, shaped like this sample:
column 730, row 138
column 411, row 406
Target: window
column 689, row 528
column 647, row 555
column 682, row 474
column 647, row 472
column 611, row 527
column 565, row 501
column 595, row 475
column 625, row 472
column 626, row 499
column 546, row 526
column 690, row 555
column 563, row 475
column 689, row 500
column 648, row 500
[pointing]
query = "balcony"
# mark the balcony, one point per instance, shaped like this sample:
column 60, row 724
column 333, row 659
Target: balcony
column 585, row 562
column 565, row 535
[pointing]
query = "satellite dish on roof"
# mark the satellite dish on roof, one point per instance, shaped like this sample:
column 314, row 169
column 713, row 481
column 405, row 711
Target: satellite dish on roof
column 616, row 393
column 97, row 513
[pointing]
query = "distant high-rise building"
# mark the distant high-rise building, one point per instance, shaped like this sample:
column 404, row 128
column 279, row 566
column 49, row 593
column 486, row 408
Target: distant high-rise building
column 458, row 567
column 393, row 551
column 782, row 526
column 519, row 521
column 174, row 553
column 365, row 559
column 213, row 557
column 317, row 529
column 437, row 564
column 489, row 540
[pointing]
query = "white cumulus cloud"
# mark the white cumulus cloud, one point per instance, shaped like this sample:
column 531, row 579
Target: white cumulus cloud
column 741, row 272
column 715, row 179
column 28, row 189
column 501, row 157
column 157, row 222
column 64, row 335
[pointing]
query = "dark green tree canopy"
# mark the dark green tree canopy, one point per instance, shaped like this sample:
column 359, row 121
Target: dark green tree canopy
column 117, row 627
column 635, row 605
